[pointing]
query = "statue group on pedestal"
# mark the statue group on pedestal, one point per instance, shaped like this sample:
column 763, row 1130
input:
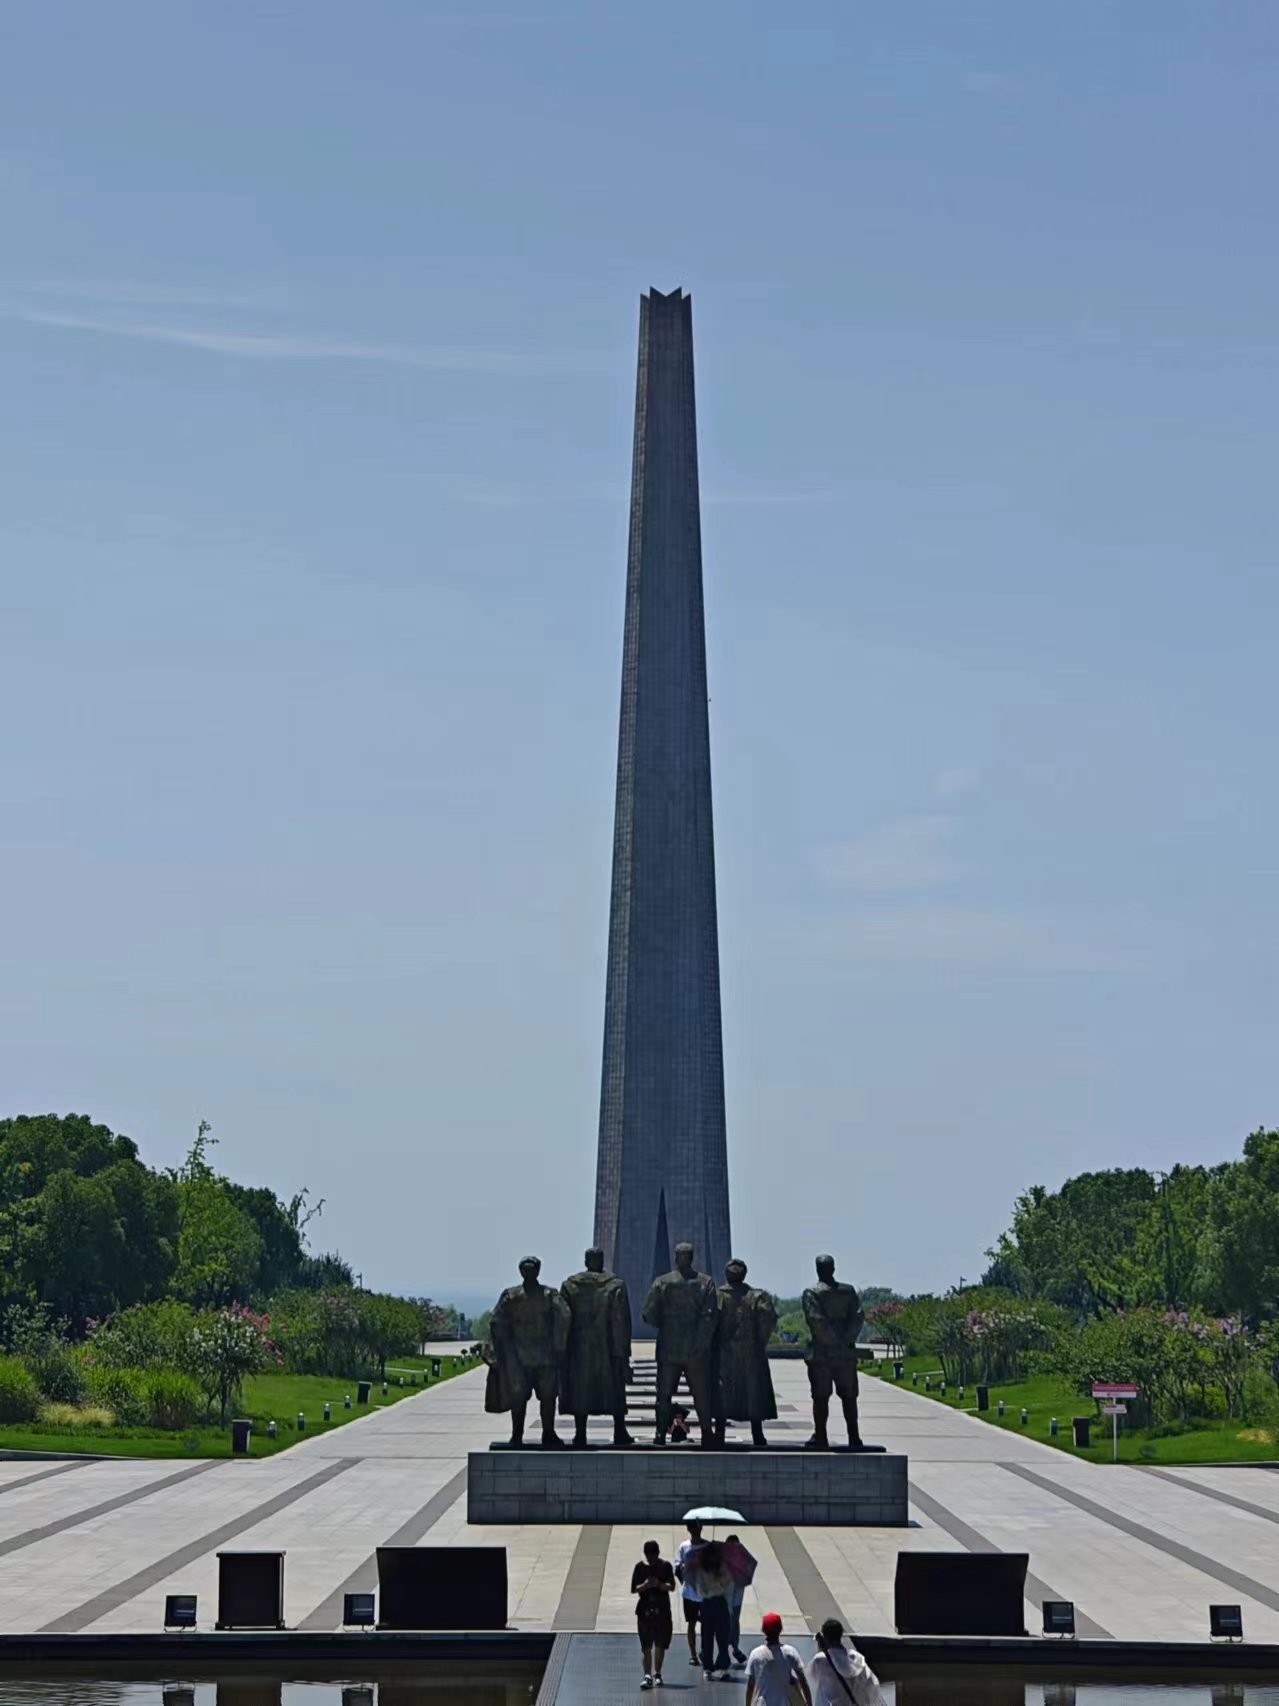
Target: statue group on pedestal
column 571, row 1348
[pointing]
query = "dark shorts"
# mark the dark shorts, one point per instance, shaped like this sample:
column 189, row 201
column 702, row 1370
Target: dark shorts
column 692, row 1611
column 542, row 1381
column 827, row 1377
column 654, row 1626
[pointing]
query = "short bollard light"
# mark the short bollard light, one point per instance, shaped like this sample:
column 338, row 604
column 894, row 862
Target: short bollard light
column 1025, row 1415
column 301, row 1421
column 961, row 1391
column 1052, row 1427
column 942, row 1389
column 928, row 1383
column 272, row 1431
column 435, row 1368
column 1000, row 1408
column 328, row 1411
column 384, row 1389
column 346, row 1402
column 400, row 1380
column 914, row 1377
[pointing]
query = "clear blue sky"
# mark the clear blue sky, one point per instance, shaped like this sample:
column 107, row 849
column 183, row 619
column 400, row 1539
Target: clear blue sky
column 318, row 337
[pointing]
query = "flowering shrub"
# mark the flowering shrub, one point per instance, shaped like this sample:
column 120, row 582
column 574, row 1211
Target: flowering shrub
column 228, row 1344
column 980, row 1334
column 886, row 1324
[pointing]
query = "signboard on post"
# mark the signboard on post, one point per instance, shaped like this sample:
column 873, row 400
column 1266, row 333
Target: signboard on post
column 1116, row 1391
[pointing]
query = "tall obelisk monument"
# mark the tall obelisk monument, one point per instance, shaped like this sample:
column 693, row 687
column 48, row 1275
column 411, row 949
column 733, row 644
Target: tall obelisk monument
column 662, row 1174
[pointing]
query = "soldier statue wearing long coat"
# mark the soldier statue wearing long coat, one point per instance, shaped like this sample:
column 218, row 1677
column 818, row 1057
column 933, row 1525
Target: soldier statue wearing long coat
column 742, row 1382
column 598, row 1362
column 682, row 1306
column 528, row 1336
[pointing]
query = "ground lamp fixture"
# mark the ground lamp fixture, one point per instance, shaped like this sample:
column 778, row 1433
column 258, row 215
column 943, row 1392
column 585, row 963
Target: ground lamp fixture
column 1225, row 1622
column 358, row 1611
column 1059, row 1617
column 179, row 1611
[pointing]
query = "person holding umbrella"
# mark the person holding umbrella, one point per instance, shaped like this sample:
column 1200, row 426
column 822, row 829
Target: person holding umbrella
column 706, row 1567
column 715, row 1586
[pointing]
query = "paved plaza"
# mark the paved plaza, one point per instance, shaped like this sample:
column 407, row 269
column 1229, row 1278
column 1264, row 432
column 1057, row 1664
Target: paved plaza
column 97, row 1545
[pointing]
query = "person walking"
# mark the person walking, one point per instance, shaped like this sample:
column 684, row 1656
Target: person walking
column 840, row 1675
column 692, row 1599
column 742, row 1566
column 715, row 1586
column 773, row 1668
column 653, row 1584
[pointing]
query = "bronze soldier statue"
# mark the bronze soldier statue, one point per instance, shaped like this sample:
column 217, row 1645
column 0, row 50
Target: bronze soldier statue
column 598, row 1364
column 682, row 1306
column 743, row 1383
column 834, row 1315
column 528, row 1335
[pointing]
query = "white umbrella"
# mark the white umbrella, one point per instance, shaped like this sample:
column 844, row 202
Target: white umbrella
column 713, row 1514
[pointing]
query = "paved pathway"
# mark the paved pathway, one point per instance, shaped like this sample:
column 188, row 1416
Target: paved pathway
column 1142, row 1553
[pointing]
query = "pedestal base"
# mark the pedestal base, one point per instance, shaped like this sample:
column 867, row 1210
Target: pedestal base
column 817, row 1489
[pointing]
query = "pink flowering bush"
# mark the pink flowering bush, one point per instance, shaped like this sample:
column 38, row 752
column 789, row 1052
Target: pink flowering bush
column 227, row 1345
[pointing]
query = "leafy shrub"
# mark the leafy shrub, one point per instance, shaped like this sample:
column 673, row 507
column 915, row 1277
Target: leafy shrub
column 151, row 1335
column 19, row 1395
column 174, row 1401
column 122, row 1390
column 63, row 1416
column 58, row 1374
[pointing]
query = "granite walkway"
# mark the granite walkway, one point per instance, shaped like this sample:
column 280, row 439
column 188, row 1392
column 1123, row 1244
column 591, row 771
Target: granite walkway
column 96, row 1546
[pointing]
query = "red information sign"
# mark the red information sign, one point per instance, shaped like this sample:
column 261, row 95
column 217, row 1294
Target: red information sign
column 1114, row 1389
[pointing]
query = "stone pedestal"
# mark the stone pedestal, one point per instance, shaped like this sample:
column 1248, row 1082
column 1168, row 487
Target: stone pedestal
column 816, row 1489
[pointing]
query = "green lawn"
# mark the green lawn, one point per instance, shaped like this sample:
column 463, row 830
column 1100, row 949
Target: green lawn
column 267, row 1397
column 1211, row 1441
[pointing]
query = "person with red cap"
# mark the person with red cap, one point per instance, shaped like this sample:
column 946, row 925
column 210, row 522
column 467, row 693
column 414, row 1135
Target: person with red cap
column 774, row 1668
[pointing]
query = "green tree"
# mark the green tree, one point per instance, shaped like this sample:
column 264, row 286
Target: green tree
column 219, row 1247
column 84, row 1225
column 388, row 1326
column 1239, row 1250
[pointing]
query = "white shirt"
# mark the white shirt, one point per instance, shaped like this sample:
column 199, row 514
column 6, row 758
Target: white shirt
column 773, row 1669
column 681, row 1557
column 827, row 1689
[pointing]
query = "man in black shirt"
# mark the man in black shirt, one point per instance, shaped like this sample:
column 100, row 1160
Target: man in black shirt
column 653, row 1583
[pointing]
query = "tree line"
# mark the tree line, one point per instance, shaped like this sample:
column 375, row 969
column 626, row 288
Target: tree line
column 88, row 1229
column 1169, row 1280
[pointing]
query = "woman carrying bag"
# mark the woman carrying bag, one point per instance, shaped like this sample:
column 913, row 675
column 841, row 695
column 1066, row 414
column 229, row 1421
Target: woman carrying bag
column 839, row 1675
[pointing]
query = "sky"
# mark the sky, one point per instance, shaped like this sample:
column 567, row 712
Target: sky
column 317, row 332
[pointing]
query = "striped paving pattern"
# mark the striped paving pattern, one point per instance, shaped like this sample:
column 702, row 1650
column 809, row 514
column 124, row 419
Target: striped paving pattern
column 97, row 1545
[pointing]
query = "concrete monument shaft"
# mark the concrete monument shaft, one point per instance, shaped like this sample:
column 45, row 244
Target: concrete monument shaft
column 662, row 1174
